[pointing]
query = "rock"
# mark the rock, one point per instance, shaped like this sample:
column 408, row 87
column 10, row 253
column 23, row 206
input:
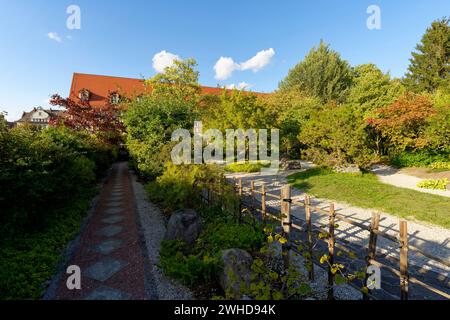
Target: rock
column 184, row 224
column 352, row 168
column 286, row 164
column 236, row 271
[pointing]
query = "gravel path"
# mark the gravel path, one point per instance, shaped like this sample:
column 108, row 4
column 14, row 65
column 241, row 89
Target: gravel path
column 431, row 239
column 153, row 228
column 389, row 175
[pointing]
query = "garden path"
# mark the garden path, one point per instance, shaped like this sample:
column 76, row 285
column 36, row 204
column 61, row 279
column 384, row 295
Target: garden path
column 391, row 176
column 429, row 238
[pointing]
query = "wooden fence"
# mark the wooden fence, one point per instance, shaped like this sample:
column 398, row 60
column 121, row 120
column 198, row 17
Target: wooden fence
column 284, row 216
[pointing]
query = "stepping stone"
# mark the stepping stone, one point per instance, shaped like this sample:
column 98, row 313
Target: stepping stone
column 109, row 231
column 113, row 219
column 104, row 269
column 114, row 204
column 107, row 293
column 108, row 246
column 114, row 210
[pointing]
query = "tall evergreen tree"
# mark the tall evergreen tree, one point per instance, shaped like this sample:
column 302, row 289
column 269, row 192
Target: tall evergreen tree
column 323, row 73
column 429, row 66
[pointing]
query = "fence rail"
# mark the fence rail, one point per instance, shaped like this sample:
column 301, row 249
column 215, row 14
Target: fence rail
column 284, row 216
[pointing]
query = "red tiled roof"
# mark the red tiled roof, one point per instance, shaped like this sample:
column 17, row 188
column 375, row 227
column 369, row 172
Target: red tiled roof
column 101, row 86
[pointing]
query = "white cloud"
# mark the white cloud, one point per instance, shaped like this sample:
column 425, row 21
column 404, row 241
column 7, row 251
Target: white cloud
column 259, row 61
column 240, row 86
column 163, row 59
column 225, row 67
column 54, row 36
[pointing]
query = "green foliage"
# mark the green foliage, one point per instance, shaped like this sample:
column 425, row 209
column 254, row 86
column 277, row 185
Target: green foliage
column 151, row 119
column 430, row 65
column 28, row 259
column 322, row 73
column 180, row 185
column 247, row 166
column 366, row 191
column 440, row 165
column 435, row 184
column 229, row 234
column 150, row 122
column 236, row 110
column 337, row 136
column 423, row 158
column 292, row 110
column 191, row 269
column 43, row 167
column 372, row 89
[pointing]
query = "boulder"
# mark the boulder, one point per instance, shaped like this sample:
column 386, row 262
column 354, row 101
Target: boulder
column 184, row 224
column 236, row 271
column 352, row 168
column 286, row 164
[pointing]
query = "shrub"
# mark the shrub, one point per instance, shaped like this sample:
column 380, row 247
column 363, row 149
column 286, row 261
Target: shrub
column 337, row 136
column 189, row 268
column 435, row 184
column 229, row 234
column 440, row 165
column 44, row 168
column 180, row 186
column 247, row 166
column 423, row 158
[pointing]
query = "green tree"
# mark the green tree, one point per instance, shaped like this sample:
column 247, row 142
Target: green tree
column 177, row 81
column 323, row 73
column 372, row 89
column 337, row 136
column 430, row 64
column 151, row 119
column 292, row 109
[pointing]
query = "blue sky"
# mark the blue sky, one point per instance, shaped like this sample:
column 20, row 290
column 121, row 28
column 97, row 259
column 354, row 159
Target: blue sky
column 121, row 38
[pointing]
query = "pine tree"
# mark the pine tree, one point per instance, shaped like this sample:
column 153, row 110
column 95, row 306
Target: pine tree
column 323, row 73
column 430, row 65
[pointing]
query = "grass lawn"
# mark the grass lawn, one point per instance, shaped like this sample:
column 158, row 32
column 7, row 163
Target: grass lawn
column 367, row 192
column 28, row 259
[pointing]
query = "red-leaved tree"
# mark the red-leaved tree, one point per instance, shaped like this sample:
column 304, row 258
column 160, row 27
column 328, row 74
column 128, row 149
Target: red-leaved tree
column 402, row 124
column 104, row 121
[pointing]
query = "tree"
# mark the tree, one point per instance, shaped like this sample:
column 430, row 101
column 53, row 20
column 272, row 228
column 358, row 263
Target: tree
column 179, row 80
column 430, row 65
column 151, row 119
column 323, row 73
column 372, row 89
column 292, row 109
column 103, row 122
column 403, row 123
column 337, row 136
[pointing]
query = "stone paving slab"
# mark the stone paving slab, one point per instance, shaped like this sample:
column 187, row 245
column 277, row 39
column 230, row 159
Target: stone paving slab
column 109, row 231
column 104, row 269
column 113, row 219
column 108, row 246
column 114, row 211
column 107, row 293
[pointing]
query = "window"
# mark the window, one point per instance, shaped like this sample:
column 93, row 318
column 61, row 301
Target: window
column 84, row 95
column 114, row 99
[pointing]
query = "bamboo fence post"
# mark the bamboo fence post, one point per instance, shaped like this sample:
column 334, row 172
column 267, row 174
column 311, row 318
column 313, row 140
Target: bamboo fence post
column 310, row 238
column 404, row 259
column 331, row 243
column 263, row 203
column 252, row 192
column 372, row 249
column 240, row 200
column 286, row 221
